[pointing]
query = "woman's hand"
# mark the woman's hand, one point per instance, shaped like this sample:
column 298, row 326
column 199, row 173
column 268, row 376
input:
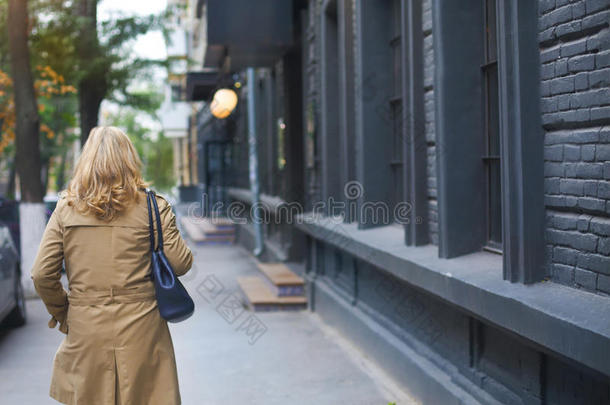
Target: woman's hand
column 63, row 325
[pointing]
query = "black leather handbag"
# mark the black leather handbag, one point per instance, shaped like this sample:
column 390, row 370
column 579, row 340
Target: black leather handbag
column 174, row 302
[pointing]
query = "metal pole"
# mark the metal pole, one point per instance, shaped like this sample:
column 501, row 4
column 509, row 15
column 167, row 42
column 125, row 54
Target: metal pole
column 253, row 163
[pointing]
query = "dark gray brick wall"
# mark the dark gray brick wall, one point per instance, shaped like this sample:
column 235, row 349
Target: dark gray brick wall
column 575, row 72
column 429, row 121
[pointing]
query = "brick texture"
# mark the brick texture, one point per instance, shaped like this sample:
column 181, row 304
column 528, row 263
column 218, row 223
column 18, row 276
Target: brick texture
column 574, row 39
column 429, row 120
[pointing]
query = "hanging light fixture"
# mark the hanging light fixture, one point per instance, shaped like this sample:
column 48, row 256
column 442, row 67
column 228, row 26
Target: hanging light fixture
column 223, row 103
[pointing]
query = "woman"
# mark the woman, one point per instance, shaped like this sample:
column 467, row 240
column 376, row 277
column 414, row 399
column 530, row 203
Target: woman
column 117, row 348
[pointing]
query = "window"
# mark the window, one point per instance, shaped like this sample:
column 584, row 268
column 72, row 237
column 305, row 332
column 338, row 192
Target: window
column 491, row 159
column 389, row 96
column 347, row 94
column 331, row 186
column 486, row 113
column 178, row 92
column 396, row 103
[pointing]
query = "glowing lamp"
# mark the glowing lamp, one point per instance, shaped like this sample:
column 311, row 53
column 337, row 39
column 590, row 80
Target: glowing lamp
column 223, row 103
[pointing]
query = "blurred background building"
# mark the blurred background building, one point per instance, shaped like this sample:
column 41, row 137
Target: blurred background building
column 184, row 49
column 482, row 125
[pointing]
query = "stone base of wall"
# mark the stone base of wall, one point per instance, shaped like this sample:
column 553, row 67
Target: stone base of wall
column 405, row 361
column 441, row 353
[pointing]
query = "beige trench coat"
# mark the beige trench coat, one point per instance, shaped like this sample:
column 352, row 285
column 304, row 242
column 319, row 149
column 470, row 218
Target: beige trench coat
column 117, row 348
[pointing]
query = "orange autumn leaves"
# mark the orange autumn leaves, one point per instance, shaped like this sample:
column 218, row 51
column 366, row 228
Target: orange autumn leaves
column 51, row 83
column 7, row 112
column 47, row 85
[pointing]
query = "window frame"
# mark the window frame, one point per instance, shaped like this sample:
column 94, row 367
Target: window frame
column 374, row 88
column 491, row 157
column 523, row 218
column 415, row 145
column 462, row 229
column 395, row 106
column 329, row 103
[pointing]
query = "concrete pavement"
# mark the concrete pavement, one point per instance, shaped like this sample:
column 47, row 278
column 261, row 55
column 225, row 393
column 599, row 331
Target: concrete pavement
column 226, row 354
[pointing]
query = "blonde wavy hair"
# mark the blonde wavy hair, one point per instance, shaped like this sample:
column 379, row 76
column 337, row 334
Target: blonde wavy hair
column 107, row 175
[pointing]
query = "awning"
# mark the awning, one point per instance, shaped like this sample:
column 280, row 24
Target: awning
column 244, row 33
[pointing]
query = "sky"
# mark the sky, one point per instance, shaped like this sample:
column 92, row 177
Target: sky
column 150, row 45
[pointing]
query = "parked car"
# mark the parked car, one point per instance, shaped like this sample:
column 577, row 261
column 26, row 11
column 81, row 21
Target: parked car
column 9, row 216
column 12, row 299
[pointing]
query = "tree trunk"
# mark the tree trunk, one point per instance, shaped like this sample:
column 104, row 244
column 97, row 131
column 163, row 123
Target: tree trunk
column 10, row 193
column 32, row 214
column 90, row 97
column 27, row 155
column 92, row 88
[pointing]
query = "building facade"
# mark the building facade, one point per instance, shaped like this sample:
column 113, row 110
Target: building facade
column 184, row 45
column 439, row 172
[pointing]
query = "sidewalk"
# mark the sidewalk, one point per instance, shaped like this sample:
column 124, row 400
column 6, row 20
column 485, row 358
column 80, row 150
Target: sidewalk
column 226, row 354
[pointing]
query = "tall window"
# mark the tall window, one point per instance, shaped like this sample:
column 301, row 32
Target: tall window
column 330, row 108
column 491, row 160
column 396, row 162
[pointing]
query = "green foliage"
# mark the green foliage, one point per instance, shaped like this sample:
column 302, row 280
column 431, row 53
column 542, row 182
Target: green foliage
column 143, row 100
column 52, row 38
column 160, row 164
column 57, row 39
column 59, row 114
column 106, row 59
column 120, row 67
column 57, row 34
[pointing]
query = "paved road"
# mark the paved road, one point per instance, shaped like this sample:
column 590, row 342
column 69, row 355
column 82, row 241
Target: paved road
column 225, row 353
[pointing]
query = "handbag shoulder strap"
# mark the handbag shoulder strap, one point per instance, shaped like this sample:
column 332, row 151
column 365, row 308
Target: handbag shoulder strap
column 151, row 197
column 151, row 233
